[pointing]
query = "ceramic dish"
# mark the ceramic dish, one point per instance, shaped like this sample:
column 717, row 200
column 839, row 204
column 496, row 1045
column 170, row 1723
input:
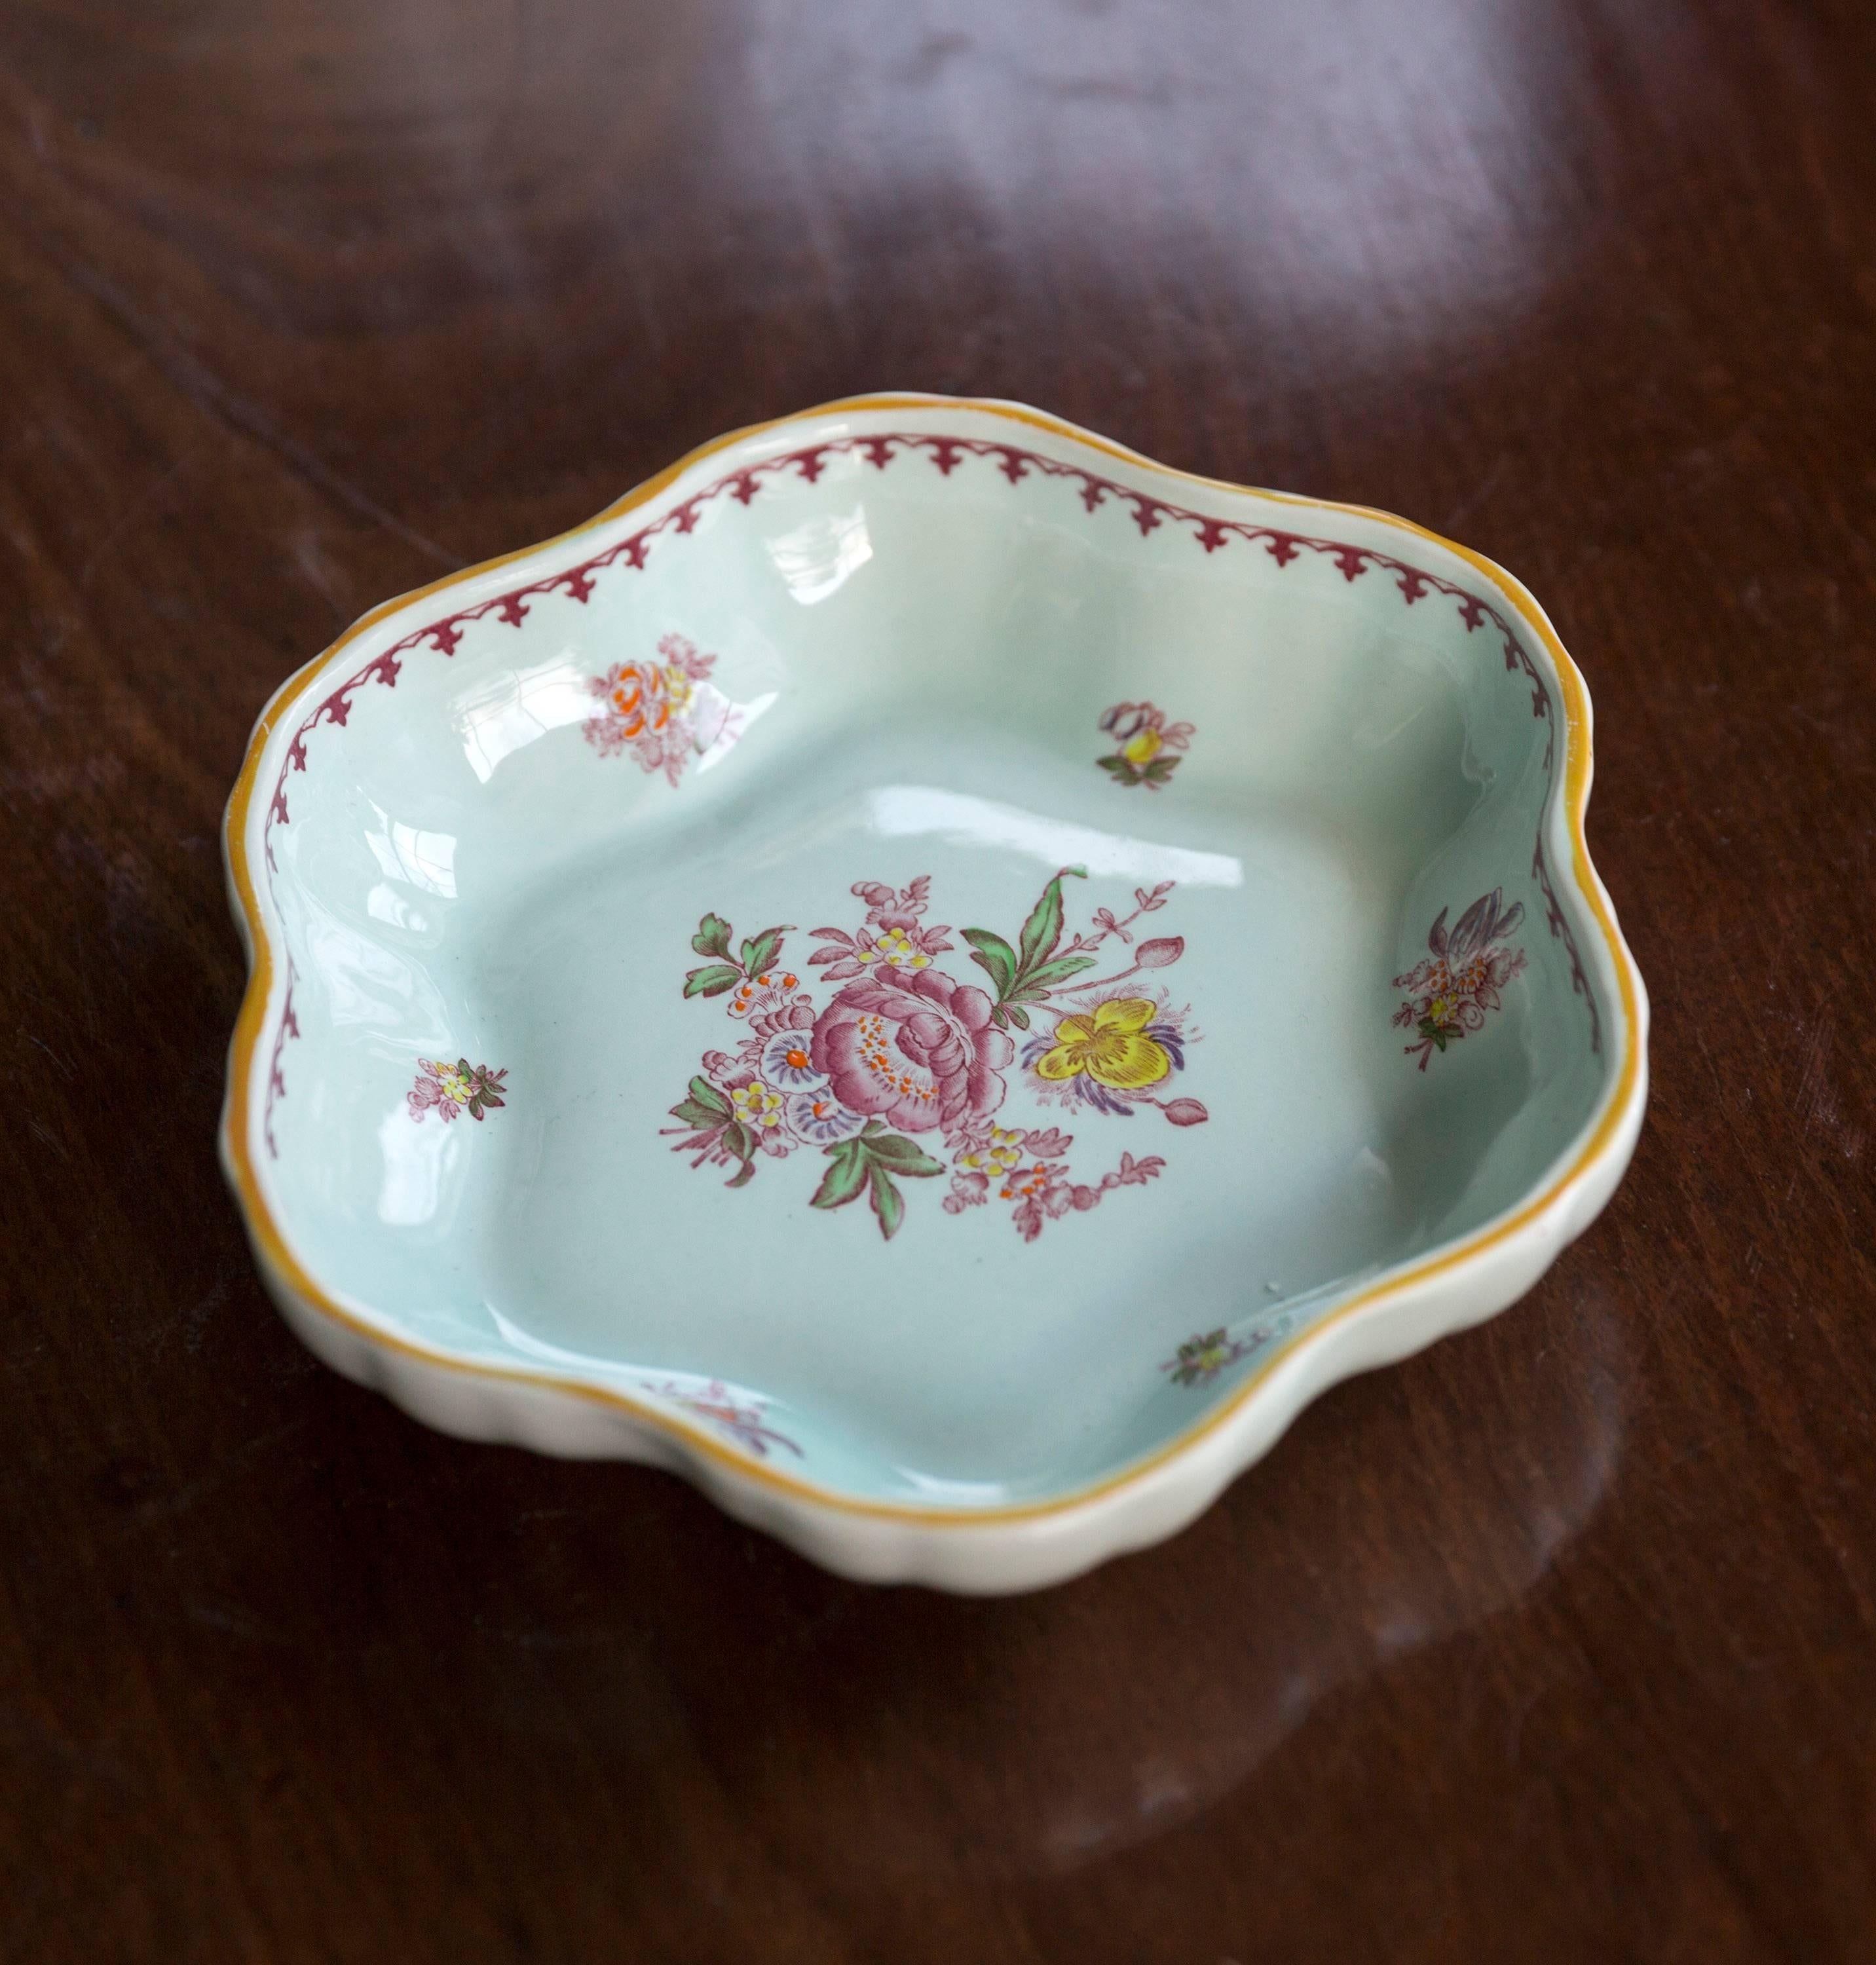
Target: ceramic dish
column 933, row 974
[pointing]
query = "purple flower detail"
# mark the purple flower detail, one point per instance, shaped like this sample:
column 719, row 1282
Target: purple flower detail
column 787, row 1060
column 819, row 1118
column 1450, row 993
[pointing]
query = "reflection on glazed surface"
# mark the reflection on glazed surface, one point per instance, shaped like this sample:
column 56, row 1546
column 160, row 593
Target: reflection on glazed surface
column 664, row 710
column 417, row 1162
column 918, row 811
column 818, row 557
column 515, row 707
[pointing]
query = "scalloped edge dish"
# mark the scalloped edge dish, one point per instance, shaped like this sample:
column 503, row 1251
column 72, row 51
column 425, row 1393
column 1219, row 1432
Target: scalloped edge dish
column 1024, row 1544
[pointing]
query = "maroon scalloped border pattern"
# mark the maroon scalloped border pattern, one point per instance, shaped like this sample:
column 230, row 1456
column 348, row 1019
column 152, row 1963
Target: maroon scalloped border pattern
column 1560, row 931
column 277, row 1084
column 946, row 454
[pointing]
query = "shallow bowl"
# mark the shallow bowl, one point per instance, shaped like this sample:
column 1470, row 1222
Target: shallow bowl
column 930, row 973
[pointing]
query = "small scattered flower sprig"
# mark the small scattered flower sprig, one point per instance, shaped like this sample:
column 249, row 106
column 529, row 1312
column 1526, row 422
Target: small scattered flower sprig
column 1458, row 984
column 742, row 1418
column 1202, row 1357
column 1146, row 740
column 449, row 1090
column 1042, row 1191
column 663, row 712
column 718, row 1133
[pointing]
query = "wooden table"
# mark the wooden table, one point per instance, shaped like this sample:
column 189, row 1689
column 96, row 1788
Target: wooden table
column 1559, row 1641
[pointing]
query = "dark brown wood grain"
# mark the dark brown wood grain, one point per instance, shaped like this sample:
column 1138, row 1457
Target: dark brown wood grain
column 1559, row 1641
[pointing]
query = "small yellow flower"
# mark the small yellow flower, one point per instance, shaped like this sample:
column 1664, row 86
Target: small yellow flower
column 757, row 1106
column 1142, row 748
column 1002, row 1152
column 897, row 950
column 1111, row 1046
column 679, row 690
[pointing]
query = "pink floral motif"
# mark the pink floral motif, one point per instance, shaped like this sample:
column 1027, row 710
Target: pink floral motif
column 449, row 1090
column 1146, row 901
column 1144, row 738
column 662, row 712
column 741, row 1418
column 1451, row 993
column 968, row 1190
column 893, row 937
column 917, row 1051
column 905, row 1054
column 1045, row 1192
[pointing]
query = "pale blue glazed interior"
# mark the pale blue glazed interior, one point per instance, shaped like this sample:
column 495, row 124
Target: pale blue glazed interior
column 920, row 659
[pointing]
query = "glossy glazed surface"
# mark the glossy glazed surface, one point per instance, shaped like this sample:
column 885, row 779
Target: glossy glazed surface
column 883, row 640
column 1552, row 1640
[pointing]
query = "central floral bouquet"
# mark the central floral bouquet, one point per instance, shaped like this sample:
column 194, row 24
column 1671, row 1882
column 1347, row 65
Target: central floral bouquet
column 905, row 1057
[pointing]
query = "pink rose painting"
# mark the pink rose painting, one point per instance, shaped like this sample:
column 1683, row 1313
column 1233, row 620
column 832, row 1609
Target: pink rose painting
column 917, row 1050
column 905, row 1072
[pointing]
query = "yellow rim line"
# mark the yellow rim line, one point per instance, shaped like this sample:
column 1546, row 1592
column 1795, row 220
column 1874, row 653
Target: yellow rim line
column 237, row 1124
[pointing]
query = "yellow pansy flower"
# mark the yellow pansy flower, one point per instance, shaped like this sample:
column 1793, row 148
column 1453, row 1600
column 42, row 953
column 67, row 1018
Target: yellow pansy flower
column 1111, row 1046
